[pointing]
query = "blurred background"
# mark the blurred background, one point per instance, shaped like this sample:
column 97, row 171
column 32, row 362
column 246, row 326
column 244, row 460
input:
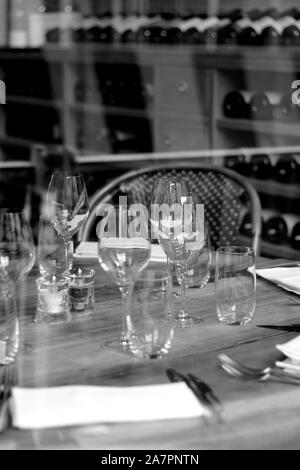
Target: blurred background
column 104, row 87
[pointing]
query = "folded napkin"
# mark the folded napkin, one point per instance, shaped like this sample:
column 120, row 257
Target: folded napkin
column 291, row 349
column 90, row 250
column 79, row 405
column 288, row 278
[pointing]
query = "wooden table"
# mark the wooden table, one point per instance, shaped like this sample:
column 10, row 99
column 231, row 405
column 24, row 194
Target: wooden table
column 257, row 415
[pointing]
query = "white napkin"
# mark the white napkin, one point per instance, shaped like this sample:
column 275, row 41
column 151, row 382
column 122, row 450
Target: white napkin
column 291, row 349
column 90, row 250
column 287, row 278
column 79, row 405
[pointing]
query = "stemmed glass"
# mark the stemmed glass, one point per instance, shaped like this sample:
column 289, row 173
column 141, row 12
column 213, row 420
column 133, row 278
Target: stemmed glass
column 17, row 257
column 177, row 220
column 67, row 203
column 52, row 257
column 122, row 258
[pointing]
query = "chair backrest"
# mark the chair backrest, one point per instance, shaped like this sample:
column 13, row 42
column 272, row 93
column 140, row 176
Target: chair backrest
column 227, row 197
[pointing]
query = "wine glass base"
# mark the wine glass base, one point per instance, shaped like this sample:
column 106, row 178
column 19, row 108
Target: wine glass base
column 187, row 322
column 119, row 345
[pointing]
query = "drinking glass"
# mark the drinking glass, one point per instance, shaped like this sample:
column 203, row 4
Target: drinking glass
column 177, row 220
column 17, row 257
column 235, row 284
column 150, row 328
column 53, row 259
column 122, row 258
column 67, row 203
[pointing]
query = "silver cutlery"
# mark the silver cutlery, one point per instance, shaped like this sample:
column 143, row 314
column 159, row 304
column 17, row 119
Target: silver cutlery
column 202, row 391
column 208, row 392
column 293, row 327
column 236, row 369
column 9, row 379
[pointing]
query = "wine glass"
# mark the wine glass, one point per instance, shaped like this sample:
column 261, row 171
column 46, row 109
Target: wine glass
column 122, row 258
column 177, row 220
column 52, row 257
column 17, row 257
column 67, row 203
column 17, row 250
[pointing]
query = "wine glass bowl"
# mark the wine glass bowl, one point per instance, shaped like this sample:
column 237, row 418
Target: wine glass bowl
column 67, row 200
column 67, row 204
column 17, row 250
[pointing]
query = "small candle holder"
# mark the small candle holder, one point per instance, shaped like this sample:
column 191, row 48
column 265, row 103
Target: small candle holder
column 81, row 290
column 53, row 300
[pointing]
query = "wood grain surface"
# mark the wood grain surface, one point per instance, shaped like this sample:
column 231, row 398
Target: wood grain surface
column 256, row 415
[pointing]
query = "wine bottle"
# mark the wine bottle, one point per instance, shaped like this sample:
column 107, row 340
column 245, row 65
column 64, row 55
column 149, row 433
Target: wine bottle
column 236, row 104
column 275, row 229
column 261, row 166
column 295, row 236
column 228, row 34
column 237, row 163
column 268, row 27
column 264, row 105
column 289, row 111
column 246, row 227
column 204, row 29
column 286, row 169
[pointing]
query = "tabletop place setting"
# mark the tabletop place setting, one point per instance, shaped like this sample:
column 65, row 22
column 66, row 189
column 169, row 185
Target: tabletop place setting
column 159, row 256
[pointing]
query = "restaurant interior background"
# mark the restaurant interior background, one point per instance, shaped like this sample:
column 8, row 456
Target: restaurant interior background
column 94, row 85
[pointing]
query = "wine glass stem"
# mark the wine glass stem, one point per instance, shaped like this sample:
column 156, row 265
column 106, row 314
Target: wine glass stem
column 66, row 248
column 125, row 294
column 181, row 276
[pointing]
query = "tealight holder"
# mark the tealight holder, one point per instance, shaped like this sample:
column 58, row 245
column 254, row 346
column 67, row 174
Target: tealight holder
column 81, row 290
column 53, row 300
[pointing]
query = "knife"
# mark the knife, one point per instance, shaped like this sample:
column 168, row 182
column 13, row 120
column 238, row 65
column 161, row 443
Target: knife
column 293, row 327
column 208, row 392
column 175, row 376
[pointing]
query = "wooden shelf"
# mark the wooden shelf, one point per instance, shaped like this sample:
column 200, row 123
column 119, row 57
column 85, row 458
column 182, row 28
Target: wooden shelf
column 114, row 110
column 31, row 101
column 271, row 187
column 272, row 250
column 275, row 58
column 264, row 127
column 20, row 142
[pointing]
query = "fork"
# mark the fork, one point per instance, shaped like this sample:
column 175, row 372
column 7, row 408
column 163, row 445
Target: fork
column 236, row 369
column 9, row 379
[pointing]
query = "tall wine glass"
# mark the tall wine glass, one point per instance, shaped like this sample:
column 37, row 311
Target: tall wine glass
column 17, row 250
column 122, row 258
column 51, row 254
column 17, row 257
column 177, row 219
column 67, row 203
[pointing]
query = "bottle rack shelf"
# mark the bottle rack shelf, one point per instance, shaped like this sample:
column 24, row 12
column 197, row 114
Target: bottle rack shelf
column 262, row 127
column 189, row 84
column 274, row 251
column 291, row 191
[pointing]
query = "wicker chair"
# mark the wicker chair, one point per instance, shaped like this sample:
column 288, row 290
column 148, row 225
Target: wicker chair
column 226, row 195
